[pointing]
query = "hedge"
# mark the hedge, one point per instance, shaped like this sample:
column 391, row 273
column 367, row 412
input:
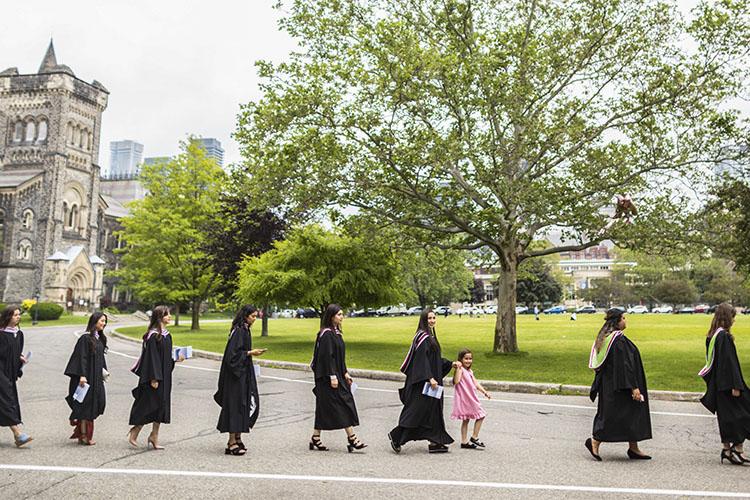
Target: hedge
column 46, row 311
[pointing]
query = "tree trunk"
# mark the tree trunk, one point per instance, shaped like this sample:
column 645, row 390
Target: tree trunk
column 195, row 325
column 177, row 314
column 505, row 325
column 264, row 323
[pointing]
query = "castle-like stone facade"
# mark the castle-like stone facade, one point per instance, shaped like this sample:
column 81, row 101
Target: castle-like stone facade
column 54, row 225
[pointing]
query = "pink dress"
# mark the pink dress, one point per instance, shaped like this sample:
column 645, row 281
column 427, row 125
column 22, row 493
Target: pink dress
column 466, row 405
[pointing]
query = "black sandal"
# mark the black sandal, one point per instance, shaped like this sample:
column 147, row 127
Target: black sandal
column 317, row 444
column 477, row 442
column 235, row 450
column 470, row 446
column 354, row 443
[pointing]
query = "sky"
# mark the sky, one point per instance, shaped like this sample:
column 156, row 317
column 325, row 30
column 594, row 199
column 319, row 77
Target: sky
column 172, row 68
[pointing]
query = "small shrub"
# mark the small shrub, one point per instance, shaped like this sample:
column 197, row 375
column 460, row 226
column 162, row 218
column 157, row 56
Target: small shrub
column 46, row 311
column 26, row 304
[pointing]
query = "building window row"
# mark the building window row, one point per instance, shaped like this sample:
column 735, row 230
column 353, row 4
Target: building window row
column 30, row 131
column 79, row 136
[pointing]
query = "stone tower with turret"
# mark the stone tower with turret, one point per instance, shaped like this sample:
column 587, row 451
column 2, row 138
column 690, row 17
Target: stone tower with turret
column 50, row 123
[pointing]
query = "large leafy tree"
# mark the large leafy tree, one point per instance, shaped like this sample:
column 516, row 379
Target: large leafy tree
column 486, row 124
column 537, row 285
column 727, row 218
column 434, row 275
column 314, row 267
column 165, row 234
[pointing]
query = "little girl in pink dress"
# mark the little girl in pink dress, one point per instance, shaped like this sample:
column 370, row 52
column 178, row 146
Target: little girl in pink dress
column 466, row 405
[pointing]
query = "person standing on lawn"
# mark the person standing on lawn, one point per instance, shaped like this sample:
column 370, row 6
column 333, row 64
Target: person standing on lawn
column 727, row 395
column 622, row 412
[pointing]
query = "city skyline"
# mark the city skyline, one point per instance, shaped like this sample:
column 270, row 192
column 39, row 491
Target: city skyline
column 185, row 70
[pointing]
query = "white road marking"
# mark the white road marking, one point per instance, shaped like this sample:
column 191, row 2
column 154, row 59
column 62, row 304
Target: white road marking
column 372, row 389
column 379, row 480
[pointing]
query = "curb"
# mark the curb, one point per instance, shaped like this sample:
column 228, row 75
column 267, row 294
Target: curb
column 493, row 385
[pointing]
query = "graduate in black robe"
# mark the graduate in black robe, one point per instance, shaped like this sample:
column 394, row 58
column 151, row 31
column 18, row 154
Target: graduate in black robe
column 238, row 387
column 153, row 395
column 334, row 401
column 727, row 395
column 622, row 412
column 12, row 360
column 422, row 415
column 88, row 366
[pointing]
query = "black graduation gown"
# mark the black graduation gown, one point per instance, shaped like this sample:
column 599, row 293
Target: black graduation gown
column 238, row 388
column 422, row 416
column 11, row 347
column 156, row 363
column 733, row 413
column 334, row 408
column 84, row 362
column 618, row 417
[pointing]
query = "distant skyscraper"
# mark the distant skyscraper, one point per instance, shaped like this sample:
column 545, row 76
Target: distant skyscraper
column 213, row 149
column 152, row 160
column 124, row 159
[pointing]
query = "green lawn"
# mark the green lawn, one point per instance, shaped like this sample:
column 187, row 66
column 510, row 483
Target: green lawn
column 65, row 319
column 554, row 349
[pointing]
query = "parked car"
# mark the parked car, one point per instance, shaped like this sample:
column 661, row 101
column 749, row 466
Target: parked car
column 686, row 310
column 286, row 313
column 364, row 313
column 470, row 310
column 711, row 309
column 662, row 310
column 414, row 311
column 586, row 310
column 746, row 310
column 555, row 310
column 701, row 308
column 491, row 309
column 522, row 309
column 441, row 310
column 638, row 310
column 399, row 310
column 306, row 312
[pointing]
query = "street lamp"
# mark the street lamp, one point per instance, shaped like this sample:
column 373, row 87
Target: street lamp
column 36, row 309
column 96, row 263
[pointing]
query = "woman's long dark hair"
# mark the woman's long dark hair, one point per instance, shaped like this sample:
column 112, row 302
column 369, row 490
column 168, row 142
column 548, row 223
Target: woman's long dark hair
column 611, row 320
column 91, row 328
column 239, row 319
column 157, row 315
column 424, row 326
column 327, row 320
column 7, row 315
column 723, row 318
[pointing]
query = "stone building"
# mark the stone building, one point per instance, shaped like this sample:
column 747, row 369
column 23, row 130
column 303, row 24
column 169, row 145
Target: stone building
column 51, row 211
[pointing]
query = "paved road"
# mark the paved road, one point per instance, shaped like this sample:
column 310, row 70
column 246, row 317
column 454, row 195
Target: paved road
column 535, row 445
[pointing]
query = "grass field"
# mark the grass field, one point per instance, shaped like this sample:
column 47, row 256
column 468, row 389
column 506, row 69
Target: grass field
column 65, row 319
column 554, row 349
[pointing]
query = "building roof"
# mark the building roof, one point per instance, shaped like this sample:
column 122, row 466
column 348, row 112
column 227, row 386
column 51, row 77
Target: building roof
column 113, row 208
column 12, row 179
column 49, row 63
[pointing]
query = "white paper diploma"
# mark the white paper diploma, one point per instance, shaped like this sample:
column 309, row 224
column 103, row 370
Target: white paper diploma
column 436, row 393
column 186, row 352
column 81, row 392
column 257, row 370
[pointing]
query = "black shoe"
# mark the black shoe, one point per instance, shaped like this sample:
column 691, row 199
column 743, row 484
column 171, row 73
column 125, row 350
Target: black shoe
column 316, row 444
column 477, row 442
column 469, row 446
column 737, row 456
column 394, row 446
column 637, row 456
column 354, row 443
column 437, row 448
column 732, row 457
column 590, row 447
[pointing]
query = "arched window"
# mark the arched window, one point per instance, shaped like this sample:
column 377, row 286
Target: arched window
column 24, row 250
column 84, row 139
column 30, row 131
column 73, row 217
column 76, row 135
column 70, row 133
column 18, row 132
column 42, row 135
column 2, row 232
column 28, row 219
column 65, row 213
